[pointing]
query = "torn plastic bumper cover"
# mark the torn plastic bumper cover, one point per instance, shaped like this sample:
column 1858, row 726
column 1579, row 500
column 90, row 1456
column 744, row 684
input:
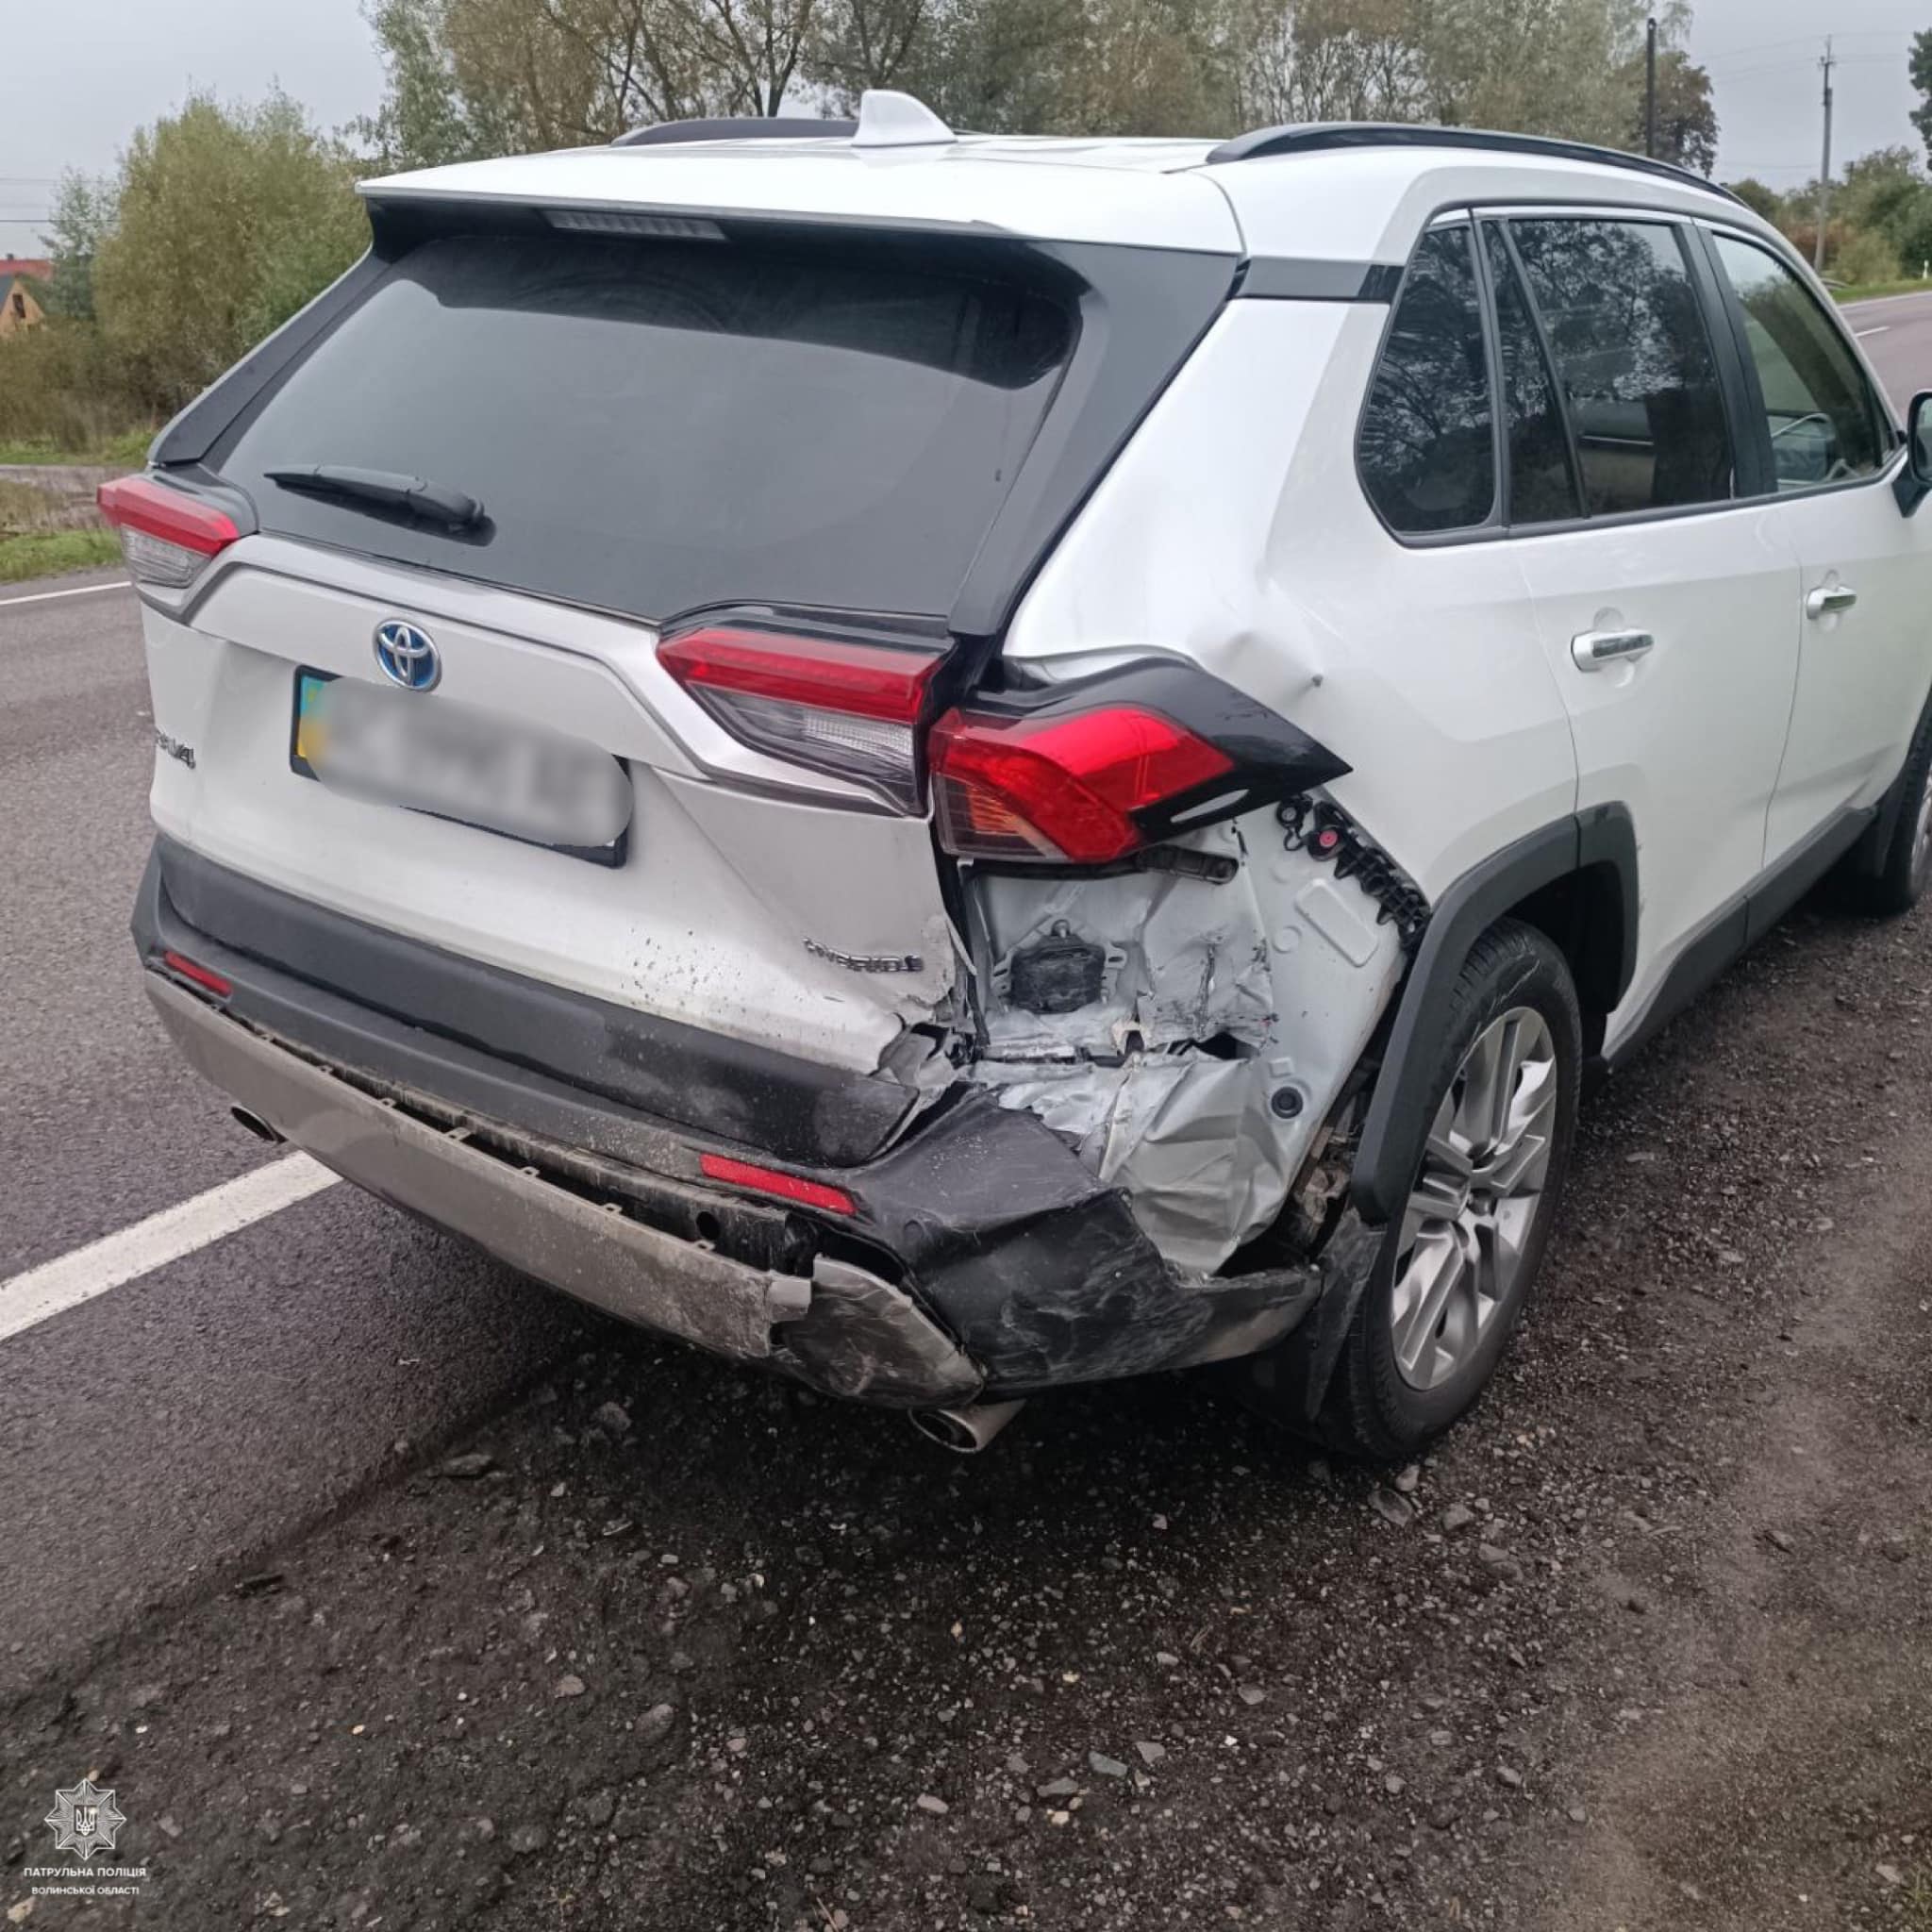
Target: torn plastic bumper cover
column 982, row 1258
column 1058, row 1286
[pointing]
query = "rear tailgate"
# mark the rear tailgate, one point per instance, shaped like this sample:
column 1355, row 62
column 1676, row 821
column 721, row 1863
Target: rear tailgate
column 656, row 431
column 724, row 913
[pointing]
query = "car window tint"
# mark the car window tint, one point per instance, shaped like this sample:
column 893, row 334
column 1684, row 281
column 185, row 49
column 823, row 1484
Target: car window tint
column 656, row 427
column 1542, row 485
column 1427, row 447
column 1634, row 359
column 1824, row 424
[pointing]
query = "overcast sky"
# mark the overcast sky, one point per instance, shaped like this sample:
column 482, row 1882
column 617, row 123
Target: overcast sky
column 77, row 76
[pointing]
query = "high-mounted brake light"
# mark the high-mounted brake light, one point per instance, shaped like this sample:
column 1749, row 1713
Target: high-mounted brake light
column 769, row 1180
column 838, row 705
column 1062, row 789
column 166, row 535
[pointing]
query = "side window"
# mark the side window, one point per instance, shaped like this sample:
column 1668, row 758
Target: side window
column 1634, row 359
column 1542, row 482
column 1426, row 448
column 1826, row 426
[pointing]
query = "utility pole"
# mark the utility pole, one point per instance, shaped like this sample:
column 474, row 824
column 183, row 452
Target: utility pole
column 1825, row 172
column 1650, row 90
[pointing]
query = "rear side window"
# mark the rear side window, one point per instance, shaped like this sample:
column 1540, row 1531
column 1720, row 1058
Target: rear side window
column 1426, row 448
column 656, row 427
column 1543, row 479
column 1634, row 359
column 1824, row 421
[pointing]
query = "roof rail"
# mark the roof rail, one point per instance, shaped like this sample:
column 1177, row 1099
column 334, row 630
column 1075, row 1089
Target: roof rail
column 1318, row 137
column 739, row 127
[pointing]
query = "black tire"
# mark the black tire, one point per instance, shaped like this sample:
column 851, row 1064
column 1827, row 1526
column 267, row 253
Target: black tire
column 1895, row 880
column 1372, row 1411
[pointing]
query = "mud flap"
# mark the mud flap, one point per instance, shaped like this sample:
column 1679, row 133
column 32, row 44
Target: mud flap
column 1295, row 1377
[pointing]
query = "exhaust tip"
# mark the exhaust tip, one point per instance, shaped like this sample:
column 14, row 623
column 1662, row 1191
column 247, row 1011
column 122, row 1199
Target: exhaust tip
column 255, row 1125
column 965, row 1431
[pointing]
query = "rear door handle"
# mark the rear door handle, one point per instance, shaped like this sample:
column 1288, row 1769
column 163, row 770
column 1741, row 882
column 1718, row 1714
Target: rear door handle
column 1828, row 598
column 1594, row 649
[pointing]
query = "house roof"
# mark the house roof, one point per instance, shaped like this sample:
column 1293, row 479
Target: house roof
column 34, row 268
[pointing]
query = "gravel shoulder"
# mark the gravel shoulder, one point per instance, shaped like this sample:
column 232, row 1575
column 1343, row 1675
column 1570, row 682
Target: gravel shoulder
column 1643, row 1645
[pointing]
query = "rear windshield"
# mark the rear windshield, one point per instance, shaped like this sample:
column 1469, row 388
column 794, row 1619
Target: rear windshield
column 656, row 427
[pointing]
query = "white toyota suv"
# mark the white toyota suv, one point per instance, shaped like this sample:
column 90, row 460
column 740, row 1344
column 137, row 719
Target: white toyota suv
column 956, row 765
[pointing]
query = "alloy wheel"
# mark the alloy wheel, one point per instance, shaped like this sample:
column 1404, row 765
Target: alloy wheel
column 1921, row 834
column 1478, row 1195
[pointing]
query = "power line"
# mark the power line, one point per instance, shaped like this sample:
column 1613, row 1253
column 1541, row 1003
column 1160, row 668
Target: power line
column 1863, row 33
column 1792, row 66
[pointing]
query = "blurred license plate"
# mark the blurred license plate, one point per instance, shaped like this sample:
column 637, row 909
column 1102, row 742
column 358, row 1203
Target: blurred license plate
column 455, row 762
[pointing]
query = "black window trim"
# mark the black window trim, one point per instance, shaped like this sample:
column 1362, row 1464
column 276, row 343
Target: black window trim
column 1713, row 299
column 1545, row 349
column 1493, row 350
column 1733, row 307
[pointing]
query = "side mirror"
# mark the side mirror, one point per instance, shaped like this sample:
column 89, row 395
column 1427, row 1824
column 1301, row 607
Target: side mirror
column 1915, row 480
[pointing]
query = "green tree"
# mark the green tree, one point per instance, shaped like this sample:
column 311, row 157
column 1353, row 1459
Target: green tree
column 226, row 222
column 1332, row 60
column 467, row 77
column 1686, row 115
column 1759, row 199
column 1538, row 66
column 425, row 119
column 1913, row 238
column 1919, row 66
column 1881, row 192
column 83, row 213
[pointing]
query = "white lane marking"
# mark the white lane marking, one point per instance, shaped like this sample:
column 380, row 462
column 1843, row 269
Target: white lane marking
column 48, row 596
column 1884, row 329
column 115, row 1258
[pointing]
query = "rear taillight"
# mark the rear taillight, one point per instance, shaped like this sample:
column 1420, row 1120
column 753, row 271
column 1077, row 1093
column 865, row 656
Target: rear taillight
column 166, row 535
column 1063, row 789
column 840, row 705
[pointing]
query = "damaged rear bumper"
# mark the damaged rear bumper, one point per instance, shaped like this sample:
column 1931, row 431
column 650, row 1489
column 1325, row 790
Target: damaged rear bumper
column 982, row 1259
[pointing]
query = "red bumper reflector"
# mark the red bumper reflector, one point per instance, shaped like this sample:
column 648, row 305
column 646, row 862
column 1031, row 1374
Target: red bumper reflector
column 200, row 975
column 768, row 1180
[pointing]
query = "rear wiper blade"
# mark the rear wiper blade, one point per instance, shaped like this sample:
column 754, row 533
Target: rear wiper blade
column 391, row 488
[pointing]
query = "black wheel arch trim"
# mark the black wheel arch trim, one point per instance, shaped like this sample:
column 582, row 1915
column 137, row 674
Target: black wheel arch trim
column 1601, row 840
column 1868, row 857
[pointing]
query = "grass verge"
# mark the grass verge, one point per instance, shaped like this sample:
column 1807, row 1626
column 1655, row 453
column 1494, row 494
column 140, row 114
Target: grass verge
column 128, row 451
column 1867, row 292
column 45, row 553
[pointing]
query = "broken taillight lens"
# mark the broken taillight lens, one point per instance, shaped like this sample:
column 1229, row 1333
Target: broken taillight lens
column 1064, row 789
column 166, row 535
column 838, row 705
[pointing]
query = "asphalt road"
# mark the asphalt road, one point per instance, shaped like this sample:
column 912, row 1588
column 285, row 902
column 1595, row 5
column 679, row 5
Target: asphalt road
column 1896, row 332
column 185, row 1426
column 204, row 1409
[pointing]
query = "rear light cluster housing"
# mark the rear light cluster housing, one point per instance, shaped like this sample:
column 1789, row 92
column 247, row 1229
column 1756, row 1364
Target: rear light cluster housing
column 1086, row 774
column 167, row 536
